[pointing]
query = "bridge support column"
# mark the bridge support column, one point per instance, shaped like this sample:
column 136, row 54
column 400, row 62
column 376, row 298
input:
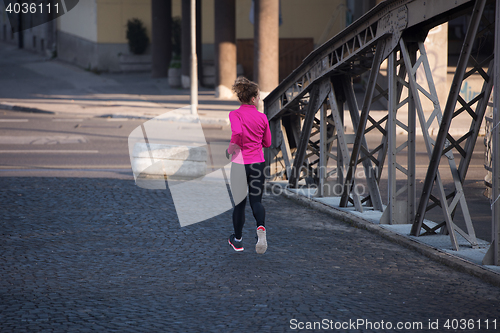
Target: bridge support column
column 266, row 45
column 225, row 47
column 401, row 200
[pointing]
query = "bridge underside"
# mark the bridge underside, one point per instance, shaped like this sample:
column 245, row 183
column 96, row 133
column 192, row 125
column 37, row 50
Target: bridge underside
column 311, row 142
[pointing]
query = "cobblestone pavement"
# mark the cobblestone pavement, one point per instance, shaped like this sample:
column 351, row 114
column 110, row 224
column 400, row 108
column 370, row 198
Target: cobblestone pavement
column 81, row 255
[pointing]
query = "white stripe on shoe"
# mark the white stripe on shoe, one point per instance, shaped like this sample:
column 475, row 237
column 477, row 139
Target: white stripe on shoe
column 235, row 247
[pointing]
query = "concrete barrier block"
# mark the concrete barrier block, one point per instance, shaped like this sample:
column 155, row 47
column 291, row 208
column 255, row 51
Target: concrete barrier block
column 177, row 168
column 170, row 152
column 160, row 159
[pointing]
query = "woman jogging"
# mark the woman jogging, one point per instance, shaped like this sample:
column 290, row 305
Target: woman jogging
column 250, row 132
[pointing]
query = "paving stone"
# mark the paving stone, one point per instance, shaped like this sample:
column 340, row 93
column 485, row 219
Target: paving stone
column 105, row 255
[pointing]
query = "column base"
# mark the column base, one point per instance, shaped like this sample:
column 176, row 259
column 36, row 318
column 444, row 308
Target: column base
column 223, row 92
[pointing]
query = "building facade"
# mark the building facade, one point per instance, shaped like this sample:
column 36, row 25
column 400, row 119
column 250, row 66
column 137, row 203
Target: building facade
column 93, row 34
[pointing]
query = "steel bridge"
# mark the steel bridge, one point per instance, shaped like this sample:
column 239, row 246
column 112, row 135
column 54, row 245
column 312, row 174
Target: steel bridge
column 306, row 114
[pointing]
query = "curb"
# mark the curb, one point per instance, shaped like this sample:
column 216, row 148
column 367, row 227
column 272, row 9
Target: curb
column 186, row 119
column 11, row 107
column 432, row 253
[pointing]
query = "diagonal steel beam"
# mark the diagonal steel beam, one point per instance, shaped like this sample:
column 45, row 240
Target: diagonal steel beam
column 316, row 98
column 458, row 195
column 343, row 151
column 476, row 123
column 370, row 174
column 448, row 114
column 424, row 123
column 377, row 60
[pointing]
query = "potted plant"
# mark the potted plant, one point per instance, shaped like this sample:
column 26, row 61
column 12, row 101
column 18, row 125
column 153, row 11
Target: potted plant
column 137, row 38
column 138, row 41
column 174, row 72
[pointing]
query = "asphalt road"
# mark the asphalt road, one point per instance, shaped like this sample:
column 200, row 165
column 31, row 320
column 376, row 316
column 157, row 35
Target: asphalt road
column 32, row 143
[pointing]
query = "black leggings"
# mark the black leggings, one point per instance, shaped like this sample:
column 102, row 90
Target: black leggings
column 255, row 183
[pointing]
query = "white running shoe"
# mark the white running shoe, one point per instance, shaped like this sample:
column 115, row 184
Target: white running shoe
column 261, row 245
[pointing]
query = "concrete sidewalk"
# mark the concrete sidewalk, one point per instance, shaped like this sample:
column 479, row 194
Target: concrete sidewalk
column 437, row 247
column 32, row 83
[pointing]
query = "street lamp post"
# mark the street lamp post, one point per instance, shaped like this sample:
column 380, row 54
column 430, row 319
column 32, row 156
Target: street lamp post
column 194, row 62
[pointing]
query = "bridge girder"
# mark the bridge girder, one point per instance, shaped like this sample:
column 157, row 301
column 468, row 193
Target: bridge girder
column 306, row 115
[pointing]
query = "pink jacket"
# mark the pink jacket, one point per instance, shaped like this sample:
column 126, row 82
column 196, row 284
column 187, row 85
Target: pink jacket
column 250, row 132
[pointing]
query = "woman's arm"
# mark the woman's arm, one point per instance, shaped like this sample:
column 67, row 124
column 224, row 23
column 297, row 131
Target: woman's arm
column 266, row 139
column 236, row 133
